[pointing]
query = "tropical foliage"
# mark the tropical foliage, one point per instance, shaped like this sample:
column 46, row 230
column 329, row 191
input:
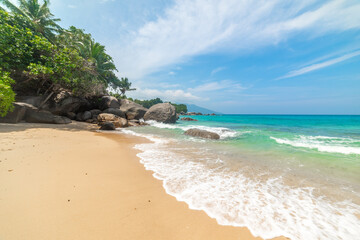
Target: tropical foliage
column 38, row 57
column 7, row 95
column 180, row 108
column 38, row 17
column 149, row 103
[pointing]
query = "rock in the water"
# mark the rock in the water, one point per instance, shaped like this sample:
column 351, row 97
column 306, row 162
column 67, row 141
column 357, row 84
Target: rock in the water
column 107, row 126
column 194, row 132
column 132, row 110
column 188, row 119
column 109, row 102
column 133, row 124
column 121, row 123
column 115, row 111
column 45, row 117
column 117, row 121
column 161, row 112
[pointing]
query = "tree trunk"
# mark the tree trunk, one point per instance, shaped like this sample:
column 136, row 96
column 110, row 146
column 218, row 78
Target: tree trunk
column 46, row 99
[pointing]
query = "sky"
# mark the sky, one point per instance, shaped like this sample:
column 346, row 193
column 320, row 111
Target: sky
column 231, row 56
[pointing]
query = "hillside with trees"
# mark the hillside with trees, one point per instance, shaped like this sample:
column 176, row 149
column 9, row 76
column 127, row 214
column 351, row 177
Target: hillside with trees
column 39, row 58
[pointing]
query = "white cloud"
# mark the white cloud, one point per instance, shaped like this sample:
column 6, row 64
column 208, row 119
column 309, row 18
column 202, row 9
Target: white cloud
column 216, row 86
column 166, row 95
column 216, row 70
column 105, row 1
column 171, row 73
column 72, row 6
column 193, row 27
column 320, row 65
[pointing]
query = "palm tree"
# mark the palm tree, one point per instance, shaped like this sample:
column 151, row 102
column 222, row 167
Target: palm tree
column 125, row 85
column 104, row 65
column 92, row 51
column 39, row 17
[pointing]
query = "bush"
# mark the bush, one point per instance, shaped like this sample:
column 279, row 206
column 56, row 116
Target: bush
column 7, row 95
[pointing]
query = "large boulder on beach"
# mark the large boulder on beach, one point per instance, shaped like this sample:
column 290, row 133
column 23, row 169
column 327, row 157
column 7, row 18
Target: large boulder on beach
column 19, row 113
column 70, row 104
column 115, row 111
column 83, row 116
column 132, row 110
column 194, row 132
column 70, row 115
column 16, row 115
column 95, row 112
column 65, row 102
column 118, row 122
column 45, row 117
column 31, row 100
column 107, row 126
column 161, row 112
column 109, row 102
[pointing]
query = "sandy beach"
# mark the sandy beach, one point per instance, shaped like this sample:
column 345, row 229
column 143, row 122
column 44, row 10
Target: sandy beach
column 70, row 182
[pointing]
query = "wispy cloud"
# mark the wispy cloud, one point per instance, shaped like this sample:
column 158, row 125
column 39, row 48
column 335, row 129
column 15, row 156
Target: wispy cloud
column 72, row 6
column 320, row 65
column 192, row 27
column 218, row 85
column 216, row 70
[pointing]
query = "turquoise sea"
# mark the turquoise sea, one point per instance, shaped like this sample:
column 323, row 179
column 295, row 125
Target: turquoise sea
column 292, row 175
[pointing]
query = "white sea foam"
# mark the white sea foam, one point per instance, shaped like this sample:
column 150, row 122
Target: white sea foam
column 322, row 144
column 268, row 208
column 223, row 132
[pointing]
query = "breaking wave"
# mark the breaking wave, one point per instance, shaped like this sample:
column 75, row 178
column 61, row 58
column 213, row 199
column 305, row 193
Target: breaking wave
column 323, row 143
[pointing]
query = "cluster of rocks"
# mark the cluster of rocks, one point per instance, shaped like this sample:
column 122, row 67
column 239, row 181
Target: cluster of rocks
column 196, row 114
column 106, row 111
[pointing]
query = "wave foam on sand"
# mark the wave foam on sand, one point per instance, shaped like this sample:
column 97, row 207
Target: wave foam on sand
column 268, row 208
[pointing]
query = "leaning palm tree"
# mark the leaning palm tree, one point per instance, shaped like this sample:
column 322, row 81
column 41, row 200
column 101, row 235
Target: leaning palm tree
column 125, row 85
column 39, row 17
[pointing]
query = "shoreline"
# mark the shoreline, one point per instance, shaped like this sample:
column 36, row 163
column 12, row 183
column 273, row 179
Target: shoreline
column 66, row 182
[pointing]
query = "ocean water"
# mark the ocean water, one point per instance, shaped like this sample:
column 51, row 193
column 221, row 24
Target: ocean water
column 278, row 175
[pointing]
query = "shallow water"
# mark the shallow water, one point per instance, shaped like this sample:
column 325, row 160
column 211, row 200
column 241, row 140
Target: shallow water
column 296, row 176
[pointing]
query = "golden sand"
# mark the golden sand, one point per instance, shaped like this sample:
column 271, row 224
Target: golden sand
column 69, row 182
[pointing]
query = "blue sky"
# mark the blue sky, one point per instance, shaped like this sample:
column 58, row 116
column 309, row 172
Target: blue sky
column 232, row 56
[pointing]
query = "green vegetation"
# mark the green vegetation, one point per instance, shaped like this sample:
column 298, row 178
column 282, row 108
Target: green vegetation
column 149, row 103
column 180, row 108
column 7, row 95
column 38, row 57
